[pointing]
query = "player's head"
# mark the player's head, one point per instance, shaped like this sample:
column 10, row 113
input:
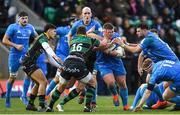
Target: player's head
column 50, row 30
column 86, row 15
column 154, row 30
column 81, row 30
column 147, row 65
column 23, row 18
column 141, row 30
column 108, row 30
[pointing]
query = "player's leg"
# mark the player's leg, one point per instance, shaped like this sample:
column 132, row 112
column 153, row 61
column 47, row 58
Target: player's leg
column 13, row 65
column 93, row 100
column 52, row 85
column 120, row 76
column 170, row 95
column 121, row 80
column 30, row 106
column 41, row 80
column 109, row 79
column 91, row 82
column 57, row 92
column 159, row 91
column 26, row 85
column 74, row 93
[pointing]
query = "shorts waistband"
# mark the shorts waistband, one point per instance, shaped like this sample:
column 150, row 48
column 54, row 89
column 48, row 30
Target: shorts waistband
column 74, row 56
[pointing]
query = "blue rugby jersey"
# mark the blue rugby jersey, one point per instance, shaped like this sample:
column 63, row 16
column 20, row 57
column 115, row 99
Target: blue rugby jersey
column 89, row 26
column 165, row 71
column 153, row 47
column 20, row 35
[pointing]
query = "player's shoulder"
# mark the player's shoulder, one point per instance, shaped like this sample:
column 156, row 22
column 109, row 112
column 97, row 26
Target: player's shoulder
column 13, row 25
column 77, row 23
column 95, row 21
column 30, row 25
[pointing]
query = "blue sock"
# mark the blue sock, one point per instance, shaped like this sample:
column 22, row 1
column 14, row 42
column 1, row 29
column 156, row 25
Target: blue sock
column 8, row 89
column 175, row 100
column 124, row 95
column 94, row 96
column 113, row 89
column 51, row 87
column 25, row 86
column 158, row 92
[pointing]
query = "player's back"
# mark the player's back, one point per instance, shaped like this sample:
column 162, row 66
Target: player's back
column 83, row 45
column 166, row 71
column 157, row 49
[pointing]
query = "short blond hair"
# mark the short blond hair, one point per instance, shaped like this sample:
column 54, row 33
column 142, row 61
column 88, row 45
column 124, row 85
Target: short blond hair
column 147, row 63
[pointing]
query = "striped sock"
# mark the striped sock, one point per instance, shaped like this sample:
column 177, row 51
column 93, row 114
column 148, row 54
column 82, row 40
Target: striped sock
column 42, row 101
column 31, row 99
column 54, row 98
column 71, row 96
column 89, row 94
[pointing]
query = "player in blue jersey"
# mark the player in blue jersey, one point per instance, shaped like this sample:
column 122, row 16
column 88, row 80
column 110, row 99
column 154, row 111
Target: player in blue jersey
column 152, row 47
column 112, row 69
column 153, row 98
column 162, row 71
column 17, row 37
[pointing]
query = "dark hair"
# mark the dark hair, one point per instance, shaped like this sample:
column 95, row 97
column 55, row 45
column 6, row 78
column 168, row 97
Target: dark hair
column 154, row 30
column 147, row 63
column 108, row 26
column 49, row 26
column 81, row 30
column 22, row 14
column 143, row 26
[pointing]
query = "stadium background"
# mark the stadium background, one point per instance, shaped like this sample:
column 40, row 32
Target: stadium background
column 164, row 15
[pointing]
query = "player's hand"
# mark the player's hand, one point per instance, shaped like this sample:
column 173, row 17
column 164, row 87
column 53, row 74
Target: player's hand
column 19, row 47
column 138, row 108
column 118, row 41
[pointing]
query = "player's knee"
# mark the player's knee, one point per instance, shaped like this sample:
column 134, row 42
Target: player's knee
column 12, row 78
column 56, row 79
column 165, row 96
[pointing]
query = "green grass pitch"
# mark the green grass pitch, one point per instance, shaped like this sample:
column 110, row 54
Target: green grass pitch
column 105, row 106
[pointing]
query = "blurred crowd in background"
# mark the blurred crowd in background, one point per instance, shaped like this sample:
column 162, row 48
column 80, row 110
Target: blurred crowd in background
column 163, row 15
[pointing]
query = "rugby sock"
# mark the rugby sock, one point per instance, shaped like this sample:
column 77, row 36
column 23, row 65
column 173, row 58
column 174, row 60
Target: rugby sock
column 113, row 90
column 94, row 96
column 124, row 96
column 51, row 87
column 42, row 101
column 8, row 91
column 54, row 98
column 25, row 86
column 176, row 100
column 158, row 92
column 31, row 99
column 83, row 93
column 71, row 96
column 89, row 94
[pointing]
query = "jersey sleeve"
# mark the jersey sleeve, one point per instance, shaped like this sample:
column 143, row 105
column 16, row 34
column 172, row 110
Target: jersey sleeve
column 10, row 31
column 42, row 40
column 72, row 32
column 34, row 33
column 95, row 42
column 98, row 27
column 146, row 42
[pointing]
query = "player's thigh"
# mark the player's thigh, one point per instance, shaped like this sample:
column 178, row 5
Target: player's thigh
column 168, row 93
column 38, row 76
column 13, row 64
column 108, row 76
